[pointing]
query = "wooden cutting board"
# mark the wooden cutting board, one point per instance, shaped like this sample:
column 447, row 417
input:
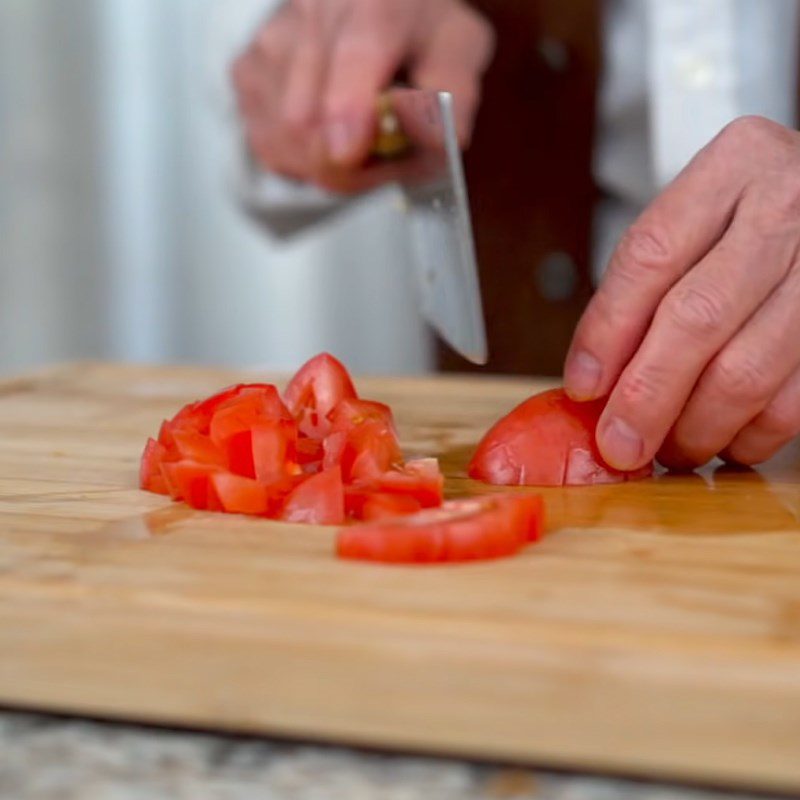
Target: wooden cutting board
column 655, row 631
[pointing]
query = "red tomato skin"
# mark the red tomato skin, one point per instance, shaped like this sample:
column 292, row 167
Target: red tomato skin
column 461, row 530
column 239, row 495
column 548, row 440
column 315, row 390
column 150, row 477
column 318, row 500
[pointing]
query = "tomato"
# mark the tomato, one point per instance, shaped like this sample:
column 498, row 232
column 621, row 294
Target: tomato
column 194, row 446
column 460, row 530
column 419, row 478
column 548, row 440
column 239, row 495
column 380, row 505
column 353, row 411
column 315, row 391
column 318, row 500
column 190, row 481
column 273, row 447
column 150, row 477
column 241, row 412
column 310, row 453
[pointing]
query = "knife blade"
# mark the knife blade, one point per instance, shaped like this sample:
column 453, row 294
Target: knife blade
column 417, row 126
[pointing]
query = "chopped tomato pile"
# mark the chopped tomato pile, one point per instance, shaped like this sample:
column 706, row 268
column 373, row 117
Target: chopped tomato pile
column 548, row 440
column 320, row 454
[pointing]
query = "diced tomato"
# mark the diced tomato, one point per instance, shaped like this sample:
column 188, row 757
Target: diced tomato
column 193, row 446
column 549, row 440
column 380, row 505
column 241, row 412
column 362, row 502
column 418, row 478
column 353, row 411
column 318, row 500
column 309, row 451
column 483, row 527
column 190, row 481
column 150, row 477
column 239, row 495
column 315, row 390
column 363, row 452
column 273, row 444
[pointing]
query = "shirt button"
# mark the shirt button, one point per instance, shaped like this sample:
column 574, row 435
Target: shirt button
column 556, row 277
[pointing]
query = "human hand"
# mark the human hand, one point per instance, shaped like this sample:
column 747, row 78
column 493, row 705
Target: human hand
column 308, row 83
column 695, row 329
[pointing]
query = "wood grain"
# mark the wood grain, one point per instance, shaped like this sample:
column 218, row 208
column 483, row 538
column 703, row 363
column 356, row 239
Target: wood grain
column 655, row 631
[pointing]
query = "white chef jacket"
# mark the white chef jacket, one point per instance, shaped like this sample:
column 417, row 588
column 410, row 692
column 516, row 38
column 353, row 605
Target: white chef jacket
column 676, row 72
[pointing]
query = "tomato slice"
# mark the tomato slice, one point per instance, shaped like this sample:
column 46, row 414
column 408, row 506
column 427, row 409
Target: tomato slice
column 318, row 500
column 365, row 451
column 273, row 446
column 150, row 477
column 315, row 390
column 239, row 495
column 484, row 527
column 548, row 440
column 190, row 481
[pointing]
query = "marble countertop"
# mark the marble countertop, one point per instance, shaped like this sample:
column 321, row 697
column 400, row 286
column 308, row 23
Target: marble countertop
column 44, row 757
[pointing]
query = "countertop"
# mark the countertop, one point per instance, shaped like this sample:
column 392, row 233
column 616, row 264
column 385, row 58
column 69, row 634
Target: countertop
column 46, row 757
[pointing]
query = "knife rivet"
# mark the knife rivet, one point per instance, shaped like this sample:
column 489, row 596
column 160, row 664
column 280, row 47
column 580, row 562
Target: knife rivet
column 556, row 276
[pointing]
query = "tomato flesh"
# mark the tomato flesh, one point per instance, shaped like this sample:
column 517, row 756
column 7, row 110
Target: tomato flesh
column 318, row 500
column 315, row 391
column 548, row 440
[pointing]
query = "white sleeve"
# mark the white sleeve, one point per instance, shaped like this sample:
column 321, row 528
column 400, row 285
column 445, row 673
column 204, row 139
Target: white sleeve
column 282, row 205
column 711, row 61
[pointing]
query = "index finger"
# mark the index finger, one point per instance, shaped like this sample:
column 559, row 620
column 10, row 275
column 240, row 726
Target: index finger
column 681, row 225
column 370, row 46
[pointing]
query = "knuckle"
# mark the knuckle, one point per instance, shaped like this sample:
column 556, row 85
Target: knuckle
column 644, row 387
column 774, row 206
column 696, row 310
column 781, row 418
column 749, row 130
column 643, row 250
column 740, row 378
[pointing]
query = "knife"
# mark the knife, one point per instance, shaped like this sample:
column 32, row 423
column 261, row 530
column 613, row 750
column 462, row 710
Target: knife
column 416, row 128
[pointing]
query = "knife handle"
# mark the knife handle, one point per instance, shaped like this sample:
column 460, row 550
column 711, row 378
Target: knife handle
column 391, row 141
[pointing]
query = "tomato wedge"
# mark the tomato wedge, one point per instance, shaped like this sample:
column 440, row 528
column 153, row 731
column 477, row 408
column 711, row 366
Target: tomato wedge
column 150, row 477
column 315, row 391
column 548, row 440
column 190, row 481
column 239, row 495
column 318, row 500
column 484, row 527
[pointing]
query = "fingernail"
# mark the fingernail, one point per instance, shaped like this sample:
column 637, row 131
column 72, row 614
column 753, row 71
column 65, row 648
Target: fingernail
column 340, row 138
column 582, row 376
column 620, row 445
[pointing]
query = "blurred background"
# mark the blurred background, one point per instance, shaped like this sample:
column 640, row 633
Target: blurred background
column 121, row 236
